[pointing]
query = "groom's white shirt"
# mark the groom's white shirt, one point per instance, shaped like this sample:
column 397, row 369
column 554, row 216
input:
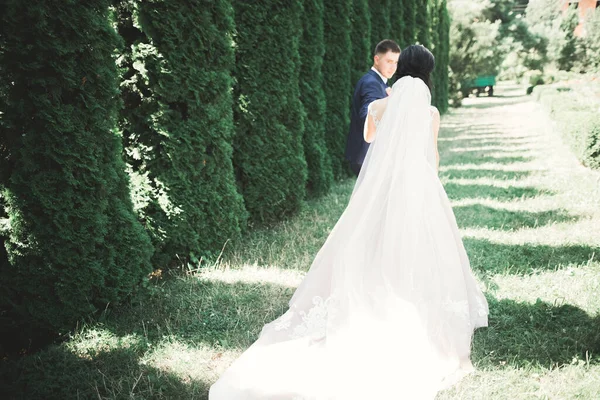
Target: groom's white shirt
column 383, row 78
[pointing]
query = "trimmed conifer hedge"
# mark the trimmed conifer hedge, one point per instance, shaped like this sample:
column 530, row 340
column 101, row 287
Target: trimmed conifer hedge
column 177, row 123
column 422, row 22
column 442, row 54
column 338, row 81
column 362, row 48
column 409, row 14
column 381, row 24
column 312, row 49
column 269, row 156
column 73, row 241
column 397, row 22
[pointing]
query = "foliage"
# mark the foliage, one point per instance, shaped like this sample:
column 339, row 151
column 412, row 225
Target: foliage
column 577, row 120
column 362, row 42
column 72, row 238
column 269, row 156
column 381, row 24
column 338, row 75
column 177, row 124
column 312, row 49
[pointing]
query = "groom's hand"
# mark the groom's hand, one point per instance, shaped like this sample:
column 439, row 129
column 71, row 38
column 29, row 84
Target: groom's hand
column 388, row 91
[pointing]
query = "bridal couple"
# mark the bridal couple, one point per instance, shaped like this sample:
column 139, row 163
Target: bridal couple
column 389, row 305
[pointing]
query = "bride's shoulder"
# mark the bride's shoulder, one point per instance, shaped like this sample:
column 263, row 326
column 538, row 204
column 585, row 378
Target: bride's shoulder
column 434, row 111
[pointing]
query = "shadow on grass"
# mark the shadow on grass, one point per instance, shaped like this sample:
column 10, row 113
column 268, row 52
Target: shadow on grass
column 540, row 334
column 496, row 258
column 229, row 315
column 457, row 191
column 108, row 359
column 57, row 374
column 477, row 215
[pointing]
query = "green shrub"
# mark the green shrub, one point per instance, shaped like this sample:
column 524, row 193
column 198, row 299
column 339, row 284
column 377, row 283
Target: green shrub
column 177, row 123
column 362, row 43
column 397, row 22
column 269, row 156
column 409, row 14
column 423, row 21
column 578, row 123
column 312, row 49
column 337, row 73
column 381, row 24
column 73, row 241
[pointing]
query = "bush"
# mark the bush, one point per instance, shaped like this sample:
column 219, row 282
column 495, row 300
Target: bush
column 337, row 73
column 362, row 41
column 381, row 24
column 397, row 22
column 73, row 241
column 312, row 48
column 178, row 125
column 578, row 124
column 269, row 156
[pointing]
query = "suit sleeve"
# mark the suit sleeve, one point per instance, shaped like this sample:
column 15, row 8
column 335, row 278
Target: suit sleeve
column 370, row 92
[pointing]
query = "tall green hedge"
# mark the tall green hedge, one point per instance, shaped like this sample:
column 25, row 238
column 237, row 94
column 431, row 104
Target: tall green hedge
column 442, row 54
column 178, row 125
column 409, row 14
column 381, row 24
column 362, row 48
column 312, row 49
column 269, row 156
column 422, row 22
column 74, row 243
column 397, row 22
column 338, row 81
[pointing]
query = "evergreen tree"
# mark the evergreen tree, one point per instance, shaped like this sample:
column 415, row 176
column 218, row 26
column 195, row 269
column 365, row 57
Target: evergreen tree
column 381, row 24
column 269, row 156
column 409, row 14
column 422, row 22
column 338, row 81
column 435, row 48
column 177, row 123
column 312, row 49
column 397, row 22
column 442, row 57
column 362, row 48
column 73, row 242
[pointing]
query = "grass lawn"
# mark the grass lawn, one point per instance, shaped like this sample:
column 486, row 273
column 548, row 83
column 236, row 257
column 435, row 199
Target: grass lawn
column 530, row 218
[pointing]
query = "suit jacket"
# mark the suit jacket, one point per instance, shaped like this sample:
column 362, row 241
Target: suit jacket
column 368, row 89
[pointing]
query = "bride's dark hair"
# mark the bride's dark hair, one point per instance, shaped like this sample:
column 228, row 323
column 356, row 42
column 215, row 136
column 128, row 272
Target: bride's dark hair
column 418, row 62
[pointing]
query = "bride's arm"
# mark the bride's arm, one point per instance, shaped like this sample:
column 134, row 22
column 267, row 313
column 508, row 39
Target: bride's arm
column 374, row 115
column 436, row 128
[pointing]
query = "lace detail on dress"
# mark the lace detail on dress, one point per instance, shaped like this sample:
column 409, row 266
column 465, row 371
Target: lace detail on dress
column 460, row 308
column 313, row 323
column 373, row 113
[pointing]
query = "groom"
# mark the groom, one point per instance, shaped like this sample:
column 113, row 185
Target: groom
column 372, row 86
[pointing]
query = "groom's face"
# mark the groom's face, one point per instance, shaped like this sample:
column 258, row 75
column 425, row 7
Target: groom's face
column 387, row 63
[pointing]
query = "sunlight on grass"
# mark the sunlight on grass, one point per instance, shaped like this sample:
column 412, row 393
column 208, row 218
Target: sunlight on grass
column 254, row 274
column 188, row 362
column 578, row 285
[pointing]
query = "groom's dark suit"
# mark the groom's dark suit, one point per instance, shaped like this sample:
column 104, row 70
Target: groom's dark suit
column 368, row 89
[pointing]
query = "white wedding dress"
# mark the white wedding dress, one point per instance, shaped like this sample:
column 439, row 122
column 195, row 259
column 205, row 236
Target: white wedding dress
column 389, row 305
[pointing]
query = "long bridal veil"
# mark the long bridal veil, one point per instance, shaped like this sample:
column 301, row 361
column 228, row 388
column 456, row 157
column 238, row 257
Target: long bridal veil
column 389, row 305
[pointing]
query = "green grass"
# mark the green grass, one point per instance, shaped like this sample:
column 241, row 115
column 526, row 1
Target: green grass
column 531, row 227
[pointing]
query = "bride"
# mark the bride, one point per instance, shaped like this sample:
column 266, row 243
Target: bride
column 389, row 305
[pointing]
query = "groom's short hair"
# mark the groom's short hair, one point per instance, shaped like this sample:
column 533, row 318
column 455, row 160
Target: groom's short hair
column 386, row 45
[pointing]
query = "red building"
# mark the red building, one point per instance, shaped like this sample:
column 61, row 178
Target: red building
column 584, row 7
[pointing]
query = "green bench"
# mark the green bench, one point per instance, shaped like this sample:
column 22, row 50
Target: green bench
column 480, row 84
